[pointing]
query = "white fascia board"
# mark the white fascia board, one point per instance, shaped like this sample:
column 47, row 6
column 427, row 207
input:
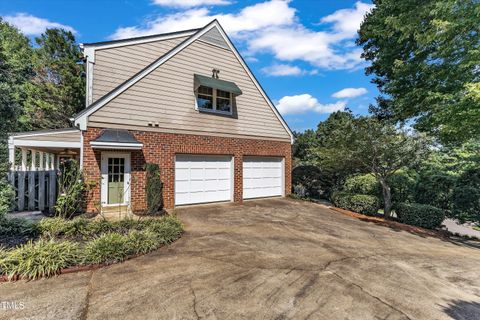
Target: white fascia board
column 136, row 41
column 47, row 144
column 81, row 120
column 254, row 80
column 116, row 145
column 35, row 134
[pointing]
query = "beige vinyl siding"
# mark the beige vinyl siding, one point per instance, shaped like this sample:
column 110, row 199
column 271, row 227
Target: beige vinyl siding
column 113, row 66
column 68, row 136
column 165, row 96
column 213, row 36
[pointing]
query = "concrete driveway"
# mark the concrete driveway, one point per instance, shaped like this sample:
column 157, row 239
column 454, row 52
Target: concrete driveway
column 268, row 259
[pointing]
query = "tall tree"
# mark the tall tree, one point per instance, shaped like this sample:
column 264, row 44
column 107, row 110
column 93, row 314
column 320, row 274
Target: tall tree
column 425, row 57
column 382, row 149
column 57, row 90
column 15, row 72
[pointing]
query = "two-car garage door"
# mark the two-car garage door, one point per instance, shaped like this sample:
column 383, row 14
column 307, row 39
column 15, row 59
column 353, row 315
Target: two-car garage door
column 202, row 178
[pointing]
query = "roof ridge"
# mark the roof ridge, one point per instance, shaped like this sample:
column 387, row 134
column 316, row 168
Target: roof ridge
column 91, row 44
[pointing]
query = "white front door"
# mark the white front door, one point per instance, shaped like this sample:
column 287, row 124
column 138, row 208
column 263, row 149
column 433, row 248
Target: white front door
column 115, row 179
column 263, row 177
column 202, row 178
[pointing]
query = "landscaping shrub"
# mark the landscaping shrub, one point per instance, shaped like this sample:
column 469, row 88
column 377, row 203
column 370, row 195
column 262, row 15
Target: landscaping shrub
column 435, row 189
column 361, row 203
column 109, row 247
column 7, row 195
column 71, row 189
column 166, row 230
column 42, row 258
column 307, row 182
column 362, row 184
column 420, row 215
column 15, row 231
column 402, row 185
column 466, row 196
column 142, row 241
column 153, row 189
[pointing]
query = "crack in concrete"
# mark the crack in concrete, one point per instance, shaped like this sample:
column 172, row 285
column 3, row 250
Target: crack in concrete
column 84, row 314
column 194, row 302
column 371, row 295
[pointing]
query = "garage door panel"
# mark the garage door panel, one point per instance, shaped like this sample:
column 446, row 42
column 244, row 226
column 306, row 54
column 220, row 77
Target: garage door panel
column 200, row 179
column 262, row 177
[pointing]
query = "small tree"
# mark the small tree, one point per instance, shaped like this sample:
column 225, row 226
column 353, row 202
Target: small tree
column 382, row 149
column 153, row 189
column 71, row 190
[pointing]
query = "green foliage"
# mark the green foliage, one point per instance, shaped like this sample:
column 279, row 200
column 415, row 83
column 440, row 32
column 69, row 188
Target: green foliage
column 435, row 189
column 140, row 242
column 71, row 190
column 167, row 229
column 108, row 248
column 7, row 195
column 362, row 184
column 308, row 181
column 361, row 203
column 466, row 196
column 153, row 189
column 420, row 215
column 17, row 227
column 42, row 258
column 304, row 143
column 413, row 47
column 15, row 72
column 57, row 89
column 403, row 185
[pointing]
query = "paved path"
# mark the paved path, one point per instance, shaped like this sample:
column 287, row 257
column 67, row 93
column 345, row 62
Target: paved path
column 463, row 230
column 269, row 259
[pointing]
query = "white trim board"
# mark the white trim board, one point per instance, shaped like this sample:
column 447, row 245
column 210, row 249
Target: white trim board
column 45, row 133
column 47, row 144
column 116, row 145
column 81, row 119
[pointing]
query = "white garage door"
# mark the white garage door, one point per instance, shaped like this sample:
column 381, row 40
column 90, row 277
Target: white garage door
column 200, row 179
column 262, row 177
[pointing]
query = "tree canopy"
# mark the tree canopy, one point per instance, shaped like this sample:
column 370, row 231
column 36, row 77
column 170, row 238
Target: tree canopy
column 424, row 56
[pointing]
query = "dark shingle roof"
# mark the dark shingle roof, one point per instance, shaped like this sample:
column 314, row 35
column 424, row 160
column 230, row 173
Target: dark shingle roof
column 117, row 136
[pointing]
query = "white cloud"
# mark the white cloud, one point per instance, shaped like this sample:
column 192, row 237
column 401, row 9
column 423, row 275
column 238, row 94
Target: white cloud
column 286, row 70
column 249, row 19
column 272, row 27
column 189, row 3
column 32, row 26
column 350, row 93
column 303, row 103
column 346, row 22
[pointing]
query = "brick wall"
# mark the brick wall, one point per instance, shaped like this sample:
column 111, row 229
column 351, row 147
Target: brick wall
column 161, row 148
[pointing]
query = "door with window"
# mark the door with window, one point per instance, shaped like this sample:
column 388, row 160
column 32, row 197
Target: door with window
column 115, row 179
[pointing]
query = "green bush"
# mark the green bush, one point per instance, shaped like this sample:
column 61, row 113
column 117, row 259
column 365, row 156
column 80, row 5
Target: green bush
column 109, row 247
column 361, row 203
column 142, row 241
column 362, row 184
column 153, row 189
column 166, row 230
column 435, row 189
column 42, row 258
column 71, row 189
column 466, row 196
column 7, row 195
column 307, row 182
column 402, row 185
column 17, row 227
column 420, row 215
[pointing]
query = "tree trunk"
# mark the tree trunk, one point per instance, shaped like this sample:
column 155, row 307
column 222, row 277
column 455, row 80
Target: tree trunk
column 387, row 198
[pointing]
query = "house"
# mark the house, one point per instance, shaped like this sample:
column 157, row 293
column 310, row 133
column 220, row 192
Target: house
column 185, row 100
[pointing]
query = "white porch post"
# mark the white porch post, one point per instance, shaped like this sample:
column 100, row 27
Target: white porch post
column 52, row 161
column 24, row 159
column 33, row 165
column 40, row 160
column 47, row 161
column 11, row 154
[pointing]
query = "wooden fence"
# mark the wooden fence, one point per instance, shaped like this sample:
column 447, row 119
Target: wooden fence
column 34, row 190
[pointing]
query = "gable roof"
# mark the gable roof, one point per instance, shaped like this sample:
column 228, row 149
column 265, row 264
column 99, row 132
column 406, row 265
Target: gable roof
column 81, row 117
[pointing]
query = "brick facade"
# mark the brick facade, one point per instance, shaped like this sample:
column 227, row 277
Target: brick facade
column 161, row 148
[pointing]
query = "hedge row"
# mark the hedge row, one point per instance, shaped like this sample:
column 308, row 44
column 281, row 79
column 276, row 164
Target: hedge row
column 361, row 203
column 421, row 215
column 67, row 243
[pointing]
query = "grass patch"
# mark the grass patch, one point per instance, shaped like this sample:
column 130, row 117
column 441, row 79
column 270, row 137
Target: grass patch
column 65, row 243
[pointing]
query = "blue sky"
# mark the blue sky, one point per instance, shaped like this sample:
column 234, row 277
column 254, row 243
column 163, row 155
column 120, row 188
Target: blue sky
column 302, row 52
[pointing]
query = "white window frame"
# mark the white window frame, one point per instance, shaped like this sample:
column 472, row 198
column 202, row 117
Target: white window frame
column 214, row 103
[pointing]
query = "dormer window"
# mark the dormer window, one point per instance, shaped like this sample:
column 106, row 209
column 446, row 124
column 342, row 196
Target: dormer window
column 215, row 95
